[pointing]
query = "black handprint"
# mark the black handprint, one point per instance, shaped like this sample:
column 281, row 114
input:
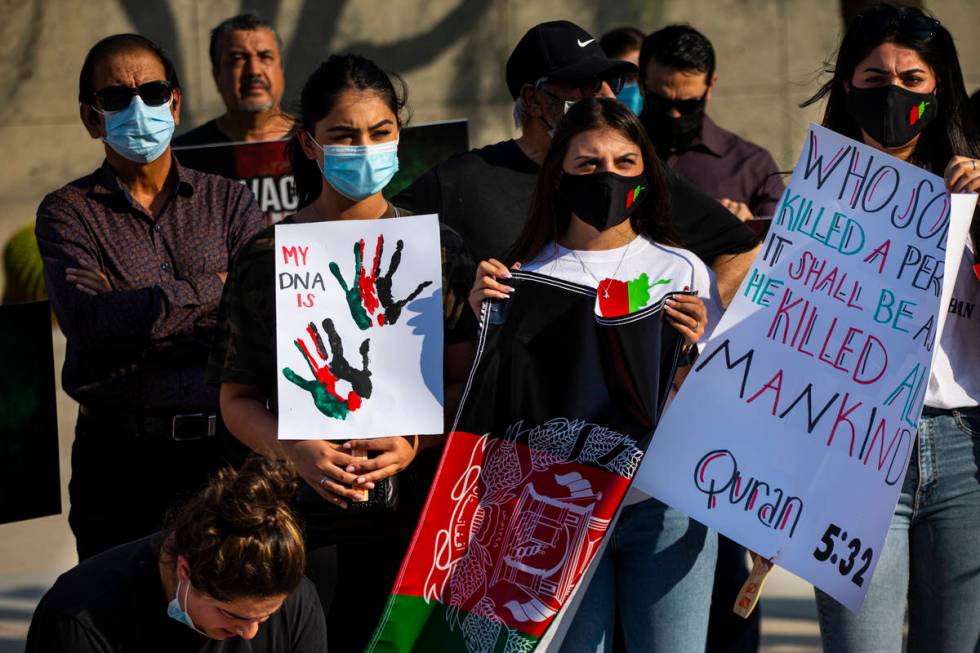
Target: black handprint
column 369, row 291
column 323, row 386
column 392, row 308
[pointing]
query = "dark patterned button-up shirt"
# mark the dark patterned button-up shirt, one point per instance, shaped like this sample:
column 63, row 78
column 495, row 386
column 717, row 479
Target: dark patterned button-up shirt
column 142, row 347
column 723, row 164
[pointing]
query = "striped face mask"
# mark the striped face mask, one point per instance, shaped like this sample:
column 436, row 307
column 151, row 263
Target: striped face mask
column 891, row 115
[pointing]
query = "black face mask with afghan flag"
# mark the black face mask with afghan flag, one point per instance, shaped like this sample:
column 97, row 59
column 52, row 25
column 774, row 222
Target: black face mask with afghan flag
column 602, row 199
column 558, row 411
column 891, row 115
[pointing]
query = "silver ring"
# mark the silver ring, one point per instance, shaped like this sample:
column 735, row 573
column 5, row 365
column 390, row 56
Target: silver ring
column 323, row 480
column 974, row 164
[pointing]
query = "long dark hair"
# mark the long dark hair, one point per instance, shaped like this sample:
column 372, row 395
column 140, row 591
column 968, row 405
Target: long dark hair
column 954, row 130
column 549, row 217
column 333, row 77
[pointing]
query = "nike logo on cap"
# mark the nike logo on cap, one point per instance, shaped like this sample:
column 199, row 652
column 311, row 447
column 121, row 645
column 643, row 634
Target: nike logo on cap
column 582, row 45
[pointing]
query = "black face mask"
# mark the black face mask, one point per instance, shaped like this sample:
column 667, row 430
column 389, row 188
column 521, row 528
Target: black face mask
column 602, row 199
column 670, row 134
column 890, row 114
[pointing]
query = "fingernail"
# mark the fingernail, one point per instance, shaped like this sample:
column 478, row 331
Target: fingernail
column 509, row 288
column 361, row 479
column 370, row 486
column 507, row 274
column 347, row 445
column 349, row 469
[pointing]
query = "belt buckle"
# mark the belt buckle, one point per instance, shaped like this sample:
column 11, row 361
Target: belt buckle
column 190, row 426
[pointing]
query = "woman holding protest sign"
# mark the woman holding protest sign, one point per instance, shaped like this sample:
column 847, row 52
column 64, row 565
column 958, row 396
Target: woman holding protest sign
column 601, row 219
column 343, row 154
column 897, row 86
column 224, row 574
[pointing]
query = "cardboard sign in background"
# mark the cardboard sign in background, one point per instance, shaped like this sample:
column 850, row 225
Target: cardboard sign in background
column 817, row 372
column 359, row 328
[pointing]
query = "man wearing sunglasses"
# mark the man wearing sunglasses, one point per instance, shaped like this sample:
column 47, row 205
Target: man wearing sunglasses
column 135, row 258
column 677, row 75
column 485, row 194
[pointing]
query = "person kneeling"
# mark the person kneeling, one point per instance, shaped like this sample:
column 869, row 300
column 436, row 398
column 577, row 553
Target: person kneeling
column 225, row 573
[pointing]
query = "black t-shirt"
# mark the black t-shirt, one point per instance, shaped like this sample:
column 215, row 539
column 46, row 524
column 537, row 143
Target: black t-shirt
column 115, row 602
column 206, row 134
column 485, row 195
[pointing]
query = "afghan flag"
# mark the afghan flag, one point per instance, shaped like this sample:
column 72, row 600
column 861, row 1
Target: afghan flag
column 916, row 113
column 557, row 412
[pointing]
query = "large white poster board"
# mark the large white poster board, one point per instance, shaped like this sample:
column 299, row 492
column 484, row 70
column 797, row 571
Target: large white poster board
column 793, row 431
column 359, row 328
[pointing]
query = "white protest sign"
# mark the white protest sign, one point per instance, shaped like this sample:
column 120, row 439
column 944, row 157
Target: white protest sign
column 359, row 328
column 814, row 378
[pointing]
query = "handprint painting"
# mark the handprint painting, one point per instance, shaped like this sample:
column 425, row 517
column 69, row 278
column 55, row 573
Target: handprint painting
column 369, row 294
column 323, row 386
column 359, row 328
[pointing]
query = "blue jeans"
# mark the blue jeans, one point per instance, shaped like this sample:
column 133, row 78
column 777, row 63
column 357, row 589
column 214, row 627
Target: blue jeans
column 931, row 557
column 657, row 571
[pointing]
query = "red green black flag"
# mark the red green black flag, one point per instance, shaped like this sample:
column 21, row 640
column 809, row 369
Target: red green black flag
column 557, row 413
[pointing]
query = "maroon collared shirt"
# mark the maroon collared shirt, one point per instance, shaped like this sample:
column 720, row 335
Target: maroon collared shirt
column 723, row 164
column 143, row 346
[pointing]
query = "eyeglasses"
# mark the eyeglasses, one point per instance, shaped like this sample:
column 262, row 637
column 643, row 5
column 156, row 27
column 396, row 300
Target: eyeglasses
column 684, row 107
column 588, row 88
column 117, row 98
column 911, row 23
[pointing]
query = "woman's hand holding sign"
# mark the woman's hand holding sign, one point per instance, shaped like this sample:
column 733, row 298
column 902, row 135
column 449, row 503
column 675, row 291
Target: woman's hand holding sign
column 326, row 468
column 395, row 453
column 962, row 175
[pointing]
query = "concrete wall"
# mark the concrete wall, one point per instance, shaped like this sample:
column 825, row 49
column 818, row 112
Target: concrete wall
column 451, row 53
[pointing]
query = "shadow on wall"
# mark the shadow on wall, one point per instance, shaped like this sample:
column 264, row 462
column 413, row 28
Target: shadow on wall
column 316, row 27
column 312, row 40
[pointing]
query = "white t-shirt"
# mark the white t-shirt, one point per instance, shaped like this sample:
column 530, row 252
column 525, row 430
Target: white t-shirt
column 955, row 379
column 631, row 277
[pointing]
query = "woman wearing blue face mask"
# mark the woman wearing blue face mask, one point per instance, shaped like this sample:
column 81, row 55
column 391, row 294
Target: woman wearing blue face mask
column 344, row 152
column 225, row 574
column 897, row 86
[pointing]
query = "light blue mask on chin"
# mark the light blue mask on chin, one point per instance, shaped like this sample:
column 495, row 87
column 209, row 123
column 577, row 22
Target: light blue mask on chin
column 177, row 613
column 359, row 171
column 139, row 133
column 631, row 97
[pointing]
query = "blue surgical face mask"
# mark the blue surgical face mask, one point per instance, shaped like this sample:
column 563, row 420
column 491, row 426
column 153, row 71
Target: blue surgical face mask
column 631, row 97
column 174, row 611
column 139, row 133
column 359, row 171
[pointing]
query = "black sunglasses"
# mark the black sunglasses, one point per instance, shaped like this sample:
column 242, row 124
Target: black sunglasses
column 911, row 23
column 683, row 107
column 117, row 98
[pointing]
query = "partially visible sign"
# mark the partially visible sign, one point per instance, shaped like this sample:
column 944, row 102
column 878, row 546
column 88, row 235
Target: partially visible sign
column 817, row 373
column 30, row 484
column 264, row 167
column 359, row 328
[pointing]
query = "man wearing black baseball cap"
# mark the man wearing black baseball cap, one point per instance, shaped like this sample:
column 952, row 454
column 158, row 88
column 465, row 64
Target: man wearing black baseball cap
column 485, row 194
